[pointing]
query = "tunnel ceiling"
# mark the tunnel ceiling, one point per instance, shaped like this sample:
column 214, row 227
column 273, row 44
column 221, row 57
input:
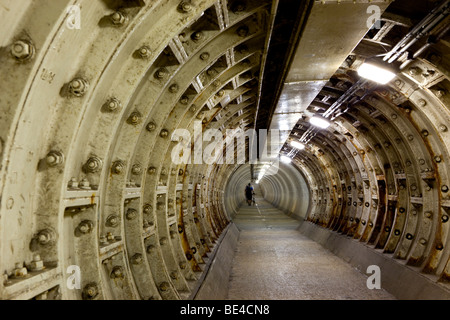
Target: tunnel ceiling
column 98, row 96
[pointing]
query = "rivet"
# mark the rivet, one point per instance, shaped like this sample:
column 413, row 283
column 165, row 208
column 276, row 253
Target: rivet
column 151, row 170
column 425, row 133
column 78, row 87
column 92, row 165
column 45, row 236
column 131, row 214
column 397, row 232
column 22, row 50
column 440, row 93
column 147, row 208
column 184, row 100
column 444, row 188
column 134, row 118
column 164, row 133
column 112, row 220
column 118, row 18
column 118, row 167
column 423, row 241
column 421, row 161
column 443, row 128
column 161, row 73
column 84, row 184
column 54, row 158
column 173, row 88
column 144, row 52
column 164, row 286
column 422, row 103
column 113, row 104
column 197, row 36
column 242, row 31
column 185, row 7
column 444, row 218
column 428, row 214
column 204, row 56
column 437, row 159
column 439, row 246
column 409, row 236
column 110, row 237
column 136, row 169
column 85, row 226
column 117, row 272
column 90, row 291
column 137, row 259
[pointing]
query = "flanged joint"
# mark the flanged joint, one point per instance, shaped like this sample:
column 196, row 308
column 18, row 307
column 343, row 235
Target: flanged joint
column 22, row 50
column 78, row 87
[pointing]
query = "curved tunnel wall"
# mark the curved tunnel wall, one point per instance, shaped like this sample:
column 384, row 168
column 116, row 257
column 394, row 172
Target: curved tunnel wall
column 89, row 175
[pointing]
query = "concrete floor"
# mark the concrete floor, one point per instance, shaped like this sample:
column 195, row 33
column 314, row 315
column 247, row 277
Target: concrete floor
column 274, row 261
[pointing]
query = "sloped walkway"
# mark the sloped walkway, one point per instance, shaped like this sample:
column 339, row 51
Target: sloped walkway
column 274, row 261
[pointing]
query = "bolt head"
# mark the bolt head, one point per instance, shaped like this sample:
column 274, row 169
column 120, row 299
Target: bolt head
column 118, row 18
column 22, row 50
column 185, row 7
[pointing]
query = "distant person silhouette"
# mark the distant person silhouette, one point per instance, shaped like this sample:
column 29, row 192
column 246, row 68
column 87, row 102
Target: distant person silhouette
column 249, row 194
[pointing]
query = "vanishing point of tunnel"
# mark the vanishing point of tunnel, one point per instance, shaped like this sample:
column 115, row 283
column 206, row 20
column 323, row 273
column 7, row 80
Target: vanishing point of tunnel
column 131, row 129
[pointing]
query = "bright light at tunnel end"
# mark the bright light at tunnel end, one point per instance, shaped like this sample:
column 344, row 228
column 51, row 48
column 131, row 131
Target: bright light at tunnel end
column 375, row 73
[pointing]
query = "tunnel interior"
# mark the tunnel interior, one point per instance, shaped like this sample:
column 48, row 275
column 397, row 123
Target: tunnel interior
column 129, row 129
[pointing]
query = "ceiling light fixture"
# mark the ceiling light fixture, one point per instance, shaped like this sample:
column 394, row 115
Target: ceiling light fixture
column 376, row 72
column 285, row 159
column 297, row 145
column 320, row 122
